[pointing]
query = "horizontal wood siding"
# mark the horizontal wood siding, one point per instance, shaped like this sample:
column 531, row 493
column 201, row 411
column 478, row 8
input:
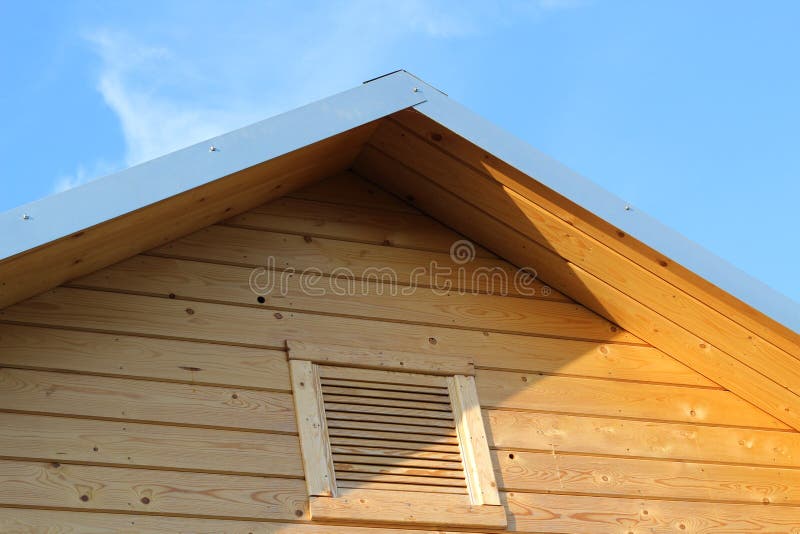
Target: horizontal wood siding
column 154, row 395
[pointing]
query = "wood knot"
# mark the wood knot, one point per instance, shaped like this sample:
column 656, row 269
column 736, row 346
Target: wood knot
column 432, row 340
column 307, row 238
column 298, row 513
column 145, row 500
column 436, row 137
column 190, row 311
column 84, row 498
column 235, row 396
column 278, row 315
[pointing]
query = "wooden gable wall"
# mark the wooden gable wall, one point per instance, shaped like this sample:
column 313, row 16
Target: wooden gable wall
column 153, row 395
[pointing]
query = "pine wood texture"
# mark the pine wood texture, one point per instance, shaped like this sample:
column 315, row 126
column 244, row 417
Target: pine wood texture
column 472, row 438
column 311, row 425
column 343, row 355
column 159, row 389
column 409, row 508
column 352, row 223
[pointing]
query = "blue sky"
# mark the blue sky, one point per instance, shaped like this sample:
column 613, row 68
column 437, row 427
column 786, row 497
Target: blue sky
column 689, row 110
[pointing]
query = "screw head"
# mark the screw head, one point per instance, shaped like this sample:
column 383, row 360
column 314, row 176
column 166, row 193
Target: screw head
column 416, row 89
column 627, row 207
column 212, row 148
column 26, row 217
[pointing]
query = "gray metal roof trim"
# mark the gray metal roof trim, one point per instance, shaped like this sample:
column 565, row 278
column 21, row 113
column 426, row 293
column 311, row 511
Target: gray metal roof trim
column 611, row 208
column 43, row 221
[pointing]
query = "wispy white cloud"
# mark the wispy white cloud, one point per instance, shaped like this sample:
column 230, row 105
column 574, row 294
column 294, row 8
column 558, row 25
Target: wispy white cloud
column 84, row 174
column 169, row 92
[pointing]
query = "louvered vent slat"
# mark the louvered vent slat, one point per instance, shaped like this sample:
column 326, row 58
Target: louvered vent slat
column 391, row 431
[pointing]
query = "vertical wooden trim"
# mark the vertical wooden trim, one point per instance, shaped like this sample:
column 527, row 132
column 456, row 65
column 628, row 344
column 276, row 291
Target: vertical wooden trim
column 311, row 426
column 472, row 438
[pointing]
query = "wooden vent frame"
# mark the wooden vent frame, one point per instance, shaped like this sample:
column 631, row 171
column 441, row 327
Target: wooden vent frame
column 477, row 506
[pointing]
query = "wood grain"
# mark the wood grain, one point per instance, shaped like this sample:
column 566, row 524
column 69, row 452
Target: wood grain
column 406, row 509
column 133, row 314
column 348, row 189
column 141, row 400
column 354, row 261
column 500, row 389
column 609, row 436
column 472, row 439
column 65, row 439
column 351, row 223
column 312, row 429
column 370, row 300
column 142, row 357
column 605, row 515
column 380, row 359
column 548, row 472
column 38, row 521
column 86, row 487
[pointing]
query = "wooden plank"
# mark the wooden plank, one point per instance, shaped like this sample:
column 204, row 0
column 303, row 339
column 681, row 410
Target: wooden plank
column 694, row 352
column 593, row 257
column 64, row 439
column 345, row 259
column 349, row 189
column 142, row 357
column 601, row 230
column 434, row 425
column 401, row 482
column 376, row 393
column 591, row 359
column 674, row 441
column 438, row 407
column 37, row 521
column 380, row 359
column 448, row 477
column 310, row 410
column 141, row 400
column 339, row 442
column 590, row 396
column 351, row 223
column 406, row 457
column 86, row 251
column 545, row 472
column 151, row 316
column 86, row 487
column 472, row 437
column 369, row 298
column 399, row 428
column 400, row 486
column 390, row 427
column 386, row 389
column 334, row 431
column 383, row 377
column 385, row 410
column 407, row 509
column 604, row 515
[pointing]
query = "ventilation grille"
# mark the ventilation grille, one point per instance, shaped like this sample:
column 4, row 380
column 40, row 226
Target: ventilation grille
column 391, row 431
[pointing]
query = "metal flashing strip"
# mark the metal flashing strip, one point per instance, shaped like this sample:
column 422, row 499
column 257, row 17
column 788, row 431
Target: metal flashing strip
column 609, row 207
column 38, row 223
